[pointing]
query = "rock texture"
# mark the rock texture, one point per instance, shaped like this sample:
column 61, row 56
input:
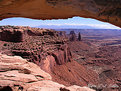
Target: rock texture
column 72, row 36
column 104, row 10
column 10, row 35
column 104, row 60
column 49, row 50
column 17, row 74
column 72, row 73
column 35, row 45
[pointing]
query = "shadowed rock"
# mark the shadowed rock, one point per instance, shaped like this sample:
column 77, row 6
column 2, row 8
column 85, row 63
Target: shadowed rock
column 103, row 10
column 13, row 78
column 50, row 51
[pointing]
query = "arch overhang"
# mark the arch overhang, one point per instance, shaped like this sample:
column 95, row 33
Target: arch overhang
column 103, row 10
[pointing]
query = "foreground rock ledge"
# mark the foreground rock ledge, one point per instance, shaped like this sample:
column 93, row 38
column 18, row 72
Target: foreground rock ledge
column 17, row 73
column 104, row 10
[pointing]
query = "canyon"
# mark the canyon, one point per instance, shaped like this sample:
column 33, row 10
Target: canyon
column 99, row 50
column 45, row 47
column 17, row 74
column 51, row 51
column 33, row 56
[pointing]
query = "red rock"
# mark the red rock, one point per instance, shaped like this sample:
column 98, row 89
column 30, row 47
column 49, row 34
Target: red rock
column 50, row 51
column 19, row 74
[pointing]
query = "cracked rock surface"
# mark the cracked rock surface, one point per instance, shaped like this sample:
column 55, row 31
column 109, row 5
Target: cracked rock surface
column 18, row 74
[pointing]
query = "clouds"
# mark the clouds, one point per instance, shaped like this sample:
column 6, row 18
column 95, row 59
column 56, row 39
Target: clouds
column 100, row 26
column 103, row 26
column 71, row 22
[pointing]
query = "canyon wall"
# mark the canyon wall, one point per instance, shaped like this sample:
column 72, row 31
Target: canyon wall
column 104, row 10
column 50, row 51
column 36, row 44
column 17, row 74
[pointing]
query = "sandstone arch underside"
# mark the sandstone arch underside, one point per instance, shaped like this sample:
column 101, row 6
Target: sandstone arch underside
column 104, row 10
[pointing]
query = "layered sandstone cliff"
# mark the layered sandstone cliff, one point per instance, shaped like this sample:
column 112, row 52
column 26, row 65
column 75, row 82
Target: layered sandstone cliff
column 36, row 45
column 49, row 50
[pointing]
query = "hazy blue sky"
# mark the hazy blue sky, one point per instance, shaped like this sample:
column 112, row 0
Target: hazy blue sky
column 77, row 21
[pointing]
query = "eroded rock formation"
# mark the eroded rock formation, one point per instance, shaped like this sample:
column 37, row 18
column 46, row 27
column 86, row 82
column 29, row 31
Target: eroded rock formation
column 104, row 10
column 17, row 74
column 49, row 50
column 10, row 34
column 36, row 44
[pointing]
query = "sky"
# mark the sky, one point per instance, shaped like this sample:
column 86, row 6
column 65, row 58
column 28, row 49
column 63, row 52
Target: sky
column 75, row 21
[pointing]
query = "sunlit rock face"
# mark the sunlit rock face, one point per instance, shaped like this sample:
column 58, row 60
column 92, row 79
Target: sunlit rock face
column 49, row 50
column 17, row 74
column 104, row 10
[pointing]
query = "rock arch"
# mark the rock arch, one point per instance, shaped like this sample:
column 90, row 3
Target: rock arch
column 103, row 10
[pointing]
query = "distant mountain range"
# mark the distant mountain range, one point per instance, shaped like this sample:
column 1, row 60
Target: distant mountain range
column 67, row 27
column 94, row 32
